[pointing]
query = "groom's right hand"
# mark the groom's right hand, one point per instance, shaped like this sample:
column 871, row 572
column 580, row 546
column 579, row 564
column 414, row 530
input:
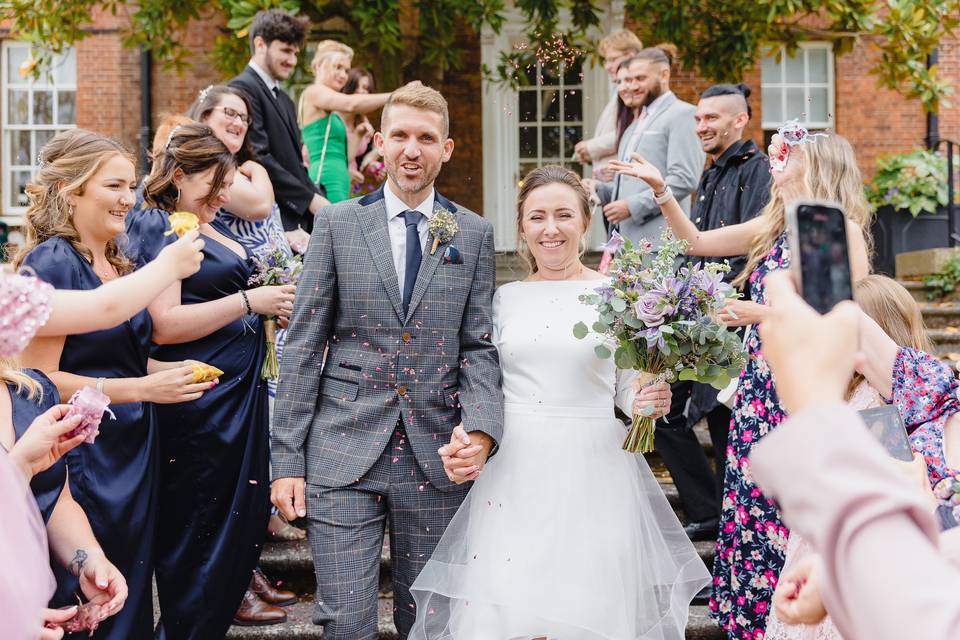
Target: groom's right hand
column 287, row 495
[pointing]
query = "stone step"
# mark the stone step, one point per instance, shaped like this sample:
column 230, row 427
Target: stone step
column 940, row 315
column 920, row 292
column 299, row 625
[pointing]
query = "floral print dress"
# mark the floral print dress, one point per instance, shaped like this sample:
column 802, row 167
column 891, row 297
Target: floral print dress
column 752, row 541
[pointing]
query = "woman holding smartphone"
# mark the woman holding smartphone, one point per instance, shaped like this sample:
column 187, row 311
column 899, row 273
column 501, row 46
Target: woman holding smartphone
column 752, row 539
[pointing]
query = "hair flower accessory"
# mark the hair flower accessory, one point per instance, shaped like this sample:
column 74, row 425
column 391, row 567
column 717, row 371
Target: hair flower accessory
column 25, row 305
column 204, row 93
column 443, row 226
column 790, row 134
column 90, row 404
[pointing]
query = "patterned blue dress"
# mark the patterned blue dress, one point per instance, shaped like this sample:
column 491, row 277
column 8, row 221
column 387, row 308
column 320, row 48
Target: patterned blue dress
column 752, row 542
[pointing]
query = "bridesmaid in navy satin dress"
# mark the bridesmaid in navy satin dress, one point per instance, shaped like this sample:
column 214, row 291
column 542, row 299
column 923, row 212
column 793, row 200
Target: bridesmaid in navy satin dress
column 47, row 485
column 215, row 489
column 115, row 479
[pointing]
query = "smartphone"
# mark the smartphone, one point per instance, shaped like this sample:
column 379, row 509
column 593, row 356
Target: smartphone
column 887, row 427
column 820, row 257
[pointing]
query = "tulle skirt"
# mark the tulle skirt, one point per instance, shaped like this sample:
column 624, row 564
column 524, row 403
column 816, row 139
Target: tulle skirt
column 564, row 536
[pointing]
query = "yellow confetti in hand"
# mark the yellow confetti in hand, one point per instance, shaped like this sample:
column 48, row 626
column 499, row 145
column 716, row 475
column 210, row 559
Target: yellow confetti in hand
column 181, row 222
column 204, row 372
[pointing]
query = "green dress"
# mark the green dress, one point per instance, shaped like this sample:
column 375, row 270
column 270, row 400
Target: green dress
column 336, row 174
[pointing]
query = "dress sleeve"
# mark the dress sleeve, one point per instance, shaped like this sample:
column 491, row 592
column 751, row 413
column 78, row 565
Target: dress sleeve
column 54, row 261
column 497, row 301
column 625, row 390
column 145, row 235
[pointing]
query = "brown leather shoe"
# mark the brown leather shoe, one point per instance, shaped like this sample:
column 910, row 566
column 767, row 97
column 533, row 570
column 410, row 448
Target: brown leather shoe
column 254, row 612
column 262, row 586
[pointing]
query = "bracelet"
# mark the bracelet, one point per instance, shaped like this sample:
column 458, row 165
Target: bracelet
column 100, row 382
column 663, row 197
column 246, row 302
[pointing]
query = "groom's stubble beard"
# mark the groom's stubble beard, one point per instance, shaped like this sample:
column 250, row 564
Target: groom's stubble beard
column 407, row 186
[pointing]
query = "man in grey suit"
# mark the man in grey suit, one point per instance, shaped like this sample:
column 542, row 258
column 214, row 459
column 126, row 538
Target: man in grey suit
column 389, row 349
column 664, row 133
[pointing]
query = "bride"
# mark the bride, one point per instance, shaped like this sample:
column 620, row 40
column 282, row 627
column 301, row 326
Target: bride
column 564, row 535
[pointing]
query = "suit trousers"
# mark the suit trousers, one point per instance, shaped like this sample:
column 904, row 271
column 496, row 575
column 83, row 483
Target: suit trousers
column 346, row 537
column 699, row 487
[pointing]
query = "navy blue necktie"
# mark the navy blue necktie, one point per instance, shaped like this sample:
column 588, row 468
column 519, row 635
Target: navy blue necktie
column 414, row 255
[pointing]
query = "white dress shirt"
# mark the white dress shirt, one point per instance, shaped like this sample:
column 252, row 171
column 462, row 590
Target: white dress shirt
column 643, row 120
column 398, row 228
column 268, row 80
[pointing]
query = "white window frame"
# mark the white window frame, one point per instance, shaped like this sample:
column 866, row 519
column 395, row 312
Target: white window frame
column 501, row 122
column 806, row 85
column 9, row 214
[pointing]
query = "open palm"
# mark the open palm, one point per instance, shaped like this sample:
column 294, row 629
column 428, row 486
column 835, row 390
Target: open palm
column 638, row 168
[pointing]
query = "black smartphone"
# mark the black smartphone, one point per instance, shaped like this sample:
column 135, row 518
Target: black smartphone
column 819, row 254
column 888, row 428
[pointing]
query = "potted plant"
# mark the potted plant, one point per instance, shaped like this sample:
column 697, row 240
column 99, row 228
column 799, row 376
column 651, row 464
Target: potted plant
column 909, row 192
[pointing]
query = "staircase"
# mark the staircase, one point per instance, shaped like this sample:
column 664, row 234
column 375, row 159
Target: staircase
column 942, row 318
column 291, row 564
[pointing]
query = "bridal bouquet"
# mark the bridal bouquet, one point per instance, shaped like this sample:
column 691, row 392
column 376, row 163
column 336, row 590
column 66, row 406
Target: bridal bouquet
column 273, row 265
column 663, row 321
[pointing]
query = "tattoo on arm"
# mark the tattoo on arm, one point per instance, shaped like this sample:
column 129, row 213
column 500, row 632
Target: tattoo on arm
column 76, row 565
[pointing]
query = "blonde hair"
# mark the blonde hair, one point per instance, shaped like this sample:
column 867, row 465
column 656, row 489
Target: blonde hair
column 541, row 177
column 894, row 309
column 67, row 162
column 326, row 49
column 623, row 40
column 419, row 97
column 10, row 373
column 830, row 173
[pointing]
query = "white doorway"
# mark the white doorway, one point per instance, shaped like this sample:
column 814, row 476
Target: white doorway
column 540, row 122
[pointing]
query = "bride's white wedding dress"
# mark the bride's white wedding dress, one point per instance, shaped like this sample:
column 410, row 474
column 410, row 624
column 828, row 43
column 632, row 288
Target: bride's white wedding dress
column 564, row 535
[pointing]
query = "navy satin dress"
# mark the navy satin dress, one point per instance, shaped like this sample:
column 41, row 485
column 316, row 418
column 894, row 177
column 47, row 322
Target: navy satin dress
column 48, row 485
column 214, row 452
column 114, row 479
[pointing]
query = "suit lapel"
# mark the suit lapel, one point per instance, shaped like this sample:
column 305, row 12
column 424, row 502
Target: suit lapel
column 372, row 216
column 429, row 262
column 275, row 101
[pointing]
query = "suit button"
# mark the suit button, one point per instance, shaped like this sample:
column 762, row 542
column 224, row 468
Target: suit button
column 405, row 337
column 402, row 390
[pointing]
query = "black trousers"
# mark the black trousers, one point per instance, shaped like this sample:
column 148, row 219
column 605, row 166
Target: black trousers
column 699, row 486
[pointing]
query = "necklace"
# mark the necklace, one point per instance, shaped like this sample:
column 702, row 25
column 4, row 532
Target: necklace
column 538, row 277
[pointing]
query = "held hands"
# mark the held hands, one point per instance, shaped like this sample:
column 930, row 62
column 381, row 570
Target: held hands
column 273, row 300
column 46, row 441
column 740, row 313
column 796, row 599
column 56, row 617
column 640, row 169
column 184, row 256
column 616, row 211
column 102, row 583
column 464, row 457
column 812, row 356
column 287, row 495
column 653, row 401
column 174, row 385
column 298, row 239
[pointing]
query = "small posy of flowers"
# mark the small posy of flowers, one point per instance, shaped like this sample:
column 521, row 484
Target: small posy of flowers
column 947, row 492
column 443, row 226
column 662, row 319
column 273, row 265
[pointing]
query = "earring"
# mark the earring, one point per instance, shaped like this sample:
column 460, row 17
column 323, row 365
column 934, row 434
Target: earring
column 178, row 195
column 71, row 209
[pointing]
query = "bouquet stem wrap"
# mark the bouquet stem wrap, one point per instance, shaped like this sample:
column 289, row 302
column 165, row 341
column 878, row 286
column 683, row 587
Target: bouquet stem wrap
column 271, row 365
column 640, row 438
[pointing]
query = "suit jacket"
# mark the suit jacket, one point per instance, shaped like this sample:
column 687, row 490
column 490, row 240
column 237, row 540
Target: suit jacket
column 436, row 365
column 887, row 573
column 275, row 137
column 668, row 141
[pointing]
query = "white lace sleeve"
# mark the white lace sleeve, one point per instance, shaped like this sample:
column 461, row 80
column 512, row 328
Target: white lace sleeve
column 625, row 390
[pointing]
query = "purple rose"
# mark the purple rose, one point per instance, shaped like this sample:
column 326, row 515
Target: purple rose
column 650, row 310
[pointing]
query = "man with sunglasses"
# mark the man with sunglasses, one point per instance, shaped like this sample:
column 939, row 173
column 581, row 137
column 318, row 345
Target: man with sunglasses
column 275, row 41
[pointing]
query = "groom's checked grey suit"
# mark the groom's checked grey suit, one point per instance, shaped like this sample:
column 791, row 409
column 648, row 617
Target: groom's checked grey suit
column 363, row 422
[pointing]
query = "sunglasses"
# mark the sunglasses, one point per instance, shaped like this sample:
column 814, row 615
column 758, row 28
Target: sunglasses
column 233, row 114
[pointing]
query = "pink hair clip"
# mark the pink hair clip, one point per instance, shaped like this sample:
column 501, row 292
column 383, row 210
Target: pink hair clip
column 25, row 305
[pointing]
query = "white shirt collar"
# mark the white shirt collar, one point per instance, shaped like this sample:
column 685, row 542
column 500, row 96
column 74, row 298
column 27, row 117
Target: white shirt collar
column 268, row 80
column 396, row 206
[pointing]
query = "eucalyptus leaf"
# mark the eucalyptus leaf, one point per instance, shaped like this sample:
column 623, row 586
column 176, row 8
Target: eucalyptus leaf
column 580, row 331
column 600, row 327
column 602, row 351
column 619, row 305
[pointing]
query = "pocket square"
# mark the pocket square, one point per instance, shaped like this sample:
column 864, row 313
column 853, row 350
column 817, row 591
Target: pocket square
column 451, row 255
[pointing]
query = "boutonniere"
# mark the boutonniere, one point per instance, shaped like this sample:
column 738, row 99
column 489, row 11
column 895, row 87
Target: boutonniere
column 442, row 227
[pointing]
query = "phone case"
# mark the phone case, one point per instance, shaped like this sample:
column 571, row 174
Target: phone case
column 888, row 428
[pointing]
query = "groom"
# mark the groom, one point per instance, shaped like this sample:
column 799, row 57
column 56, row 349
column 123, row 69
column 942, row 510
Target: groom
column 389, row 349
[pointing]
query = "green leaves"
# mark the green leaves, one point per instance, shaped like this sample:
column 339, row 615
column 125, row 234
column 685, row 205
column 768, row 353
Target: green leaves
column 580, row 331
column 602, row 351
column 914, row 182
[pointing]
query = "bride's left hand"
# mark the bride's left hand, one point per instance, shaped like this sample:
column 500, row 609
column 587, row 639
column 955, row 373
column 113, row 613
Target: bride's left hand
column 740, row 313
column 659, row 396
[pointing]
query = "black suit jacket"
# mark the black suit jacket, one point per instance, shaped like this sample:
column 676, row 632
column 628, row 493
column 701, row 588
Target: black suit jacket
column 276, row 140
